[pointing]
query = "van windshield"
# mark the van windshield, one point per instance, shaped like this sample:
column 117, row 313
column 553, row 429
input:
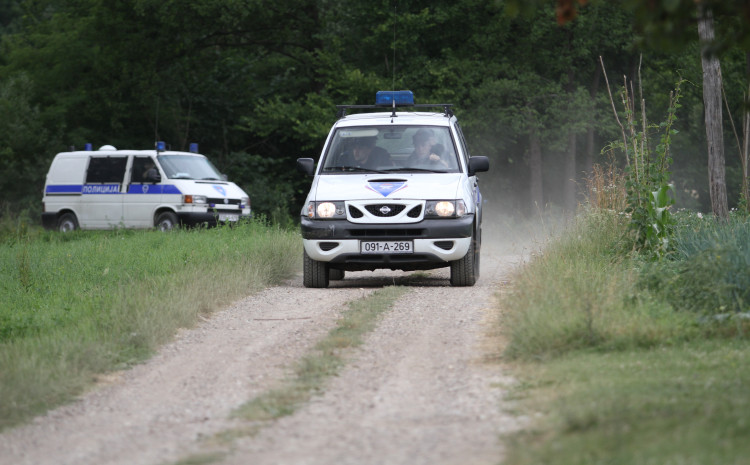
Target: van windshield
column 189, row 167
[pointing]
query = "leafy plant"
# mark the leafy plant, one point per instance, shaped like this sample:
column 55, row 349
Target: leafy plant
column 648, row 186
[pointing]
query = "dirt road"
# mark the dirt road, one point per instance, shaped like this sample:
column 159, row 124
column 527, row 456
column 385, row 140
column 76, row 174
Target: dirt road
column 418, row 391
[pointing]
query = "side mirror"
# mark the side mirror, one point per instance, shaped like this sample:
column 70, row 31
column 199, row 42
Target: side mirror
column 478, row 164
column 306, row 165
column 224, row 177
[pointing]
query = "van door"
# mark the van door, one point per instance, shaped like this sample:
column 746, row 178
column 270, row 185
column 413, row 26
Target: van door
column 143, row 192
column 101, row 196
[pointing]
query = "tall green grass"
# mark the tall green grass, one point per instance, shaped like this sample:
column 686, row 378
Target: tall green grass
column 79, row 304
column 623, row 360
column 581, row 293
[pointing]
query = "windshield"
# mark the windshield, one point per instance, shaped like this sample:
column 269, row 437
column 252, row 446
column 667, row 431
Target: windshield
column 189, row 167
column 391, row 149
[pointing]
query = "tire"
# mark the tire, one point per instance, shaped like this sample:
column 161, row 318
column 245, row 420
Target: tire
column 166, row 221
column 335, row 275
column 314, row 273
column 67, row 222
column 465, row 272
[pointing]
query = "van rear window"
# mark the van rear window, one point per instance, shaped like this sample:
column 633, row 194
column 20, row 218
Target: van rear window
column 106, row 169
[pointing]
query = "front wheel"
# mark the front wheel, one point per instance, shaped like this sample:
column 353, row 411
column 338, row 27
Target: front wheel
column 67, row 222
column 465, row 271
column 314, row 273
column 166, row 221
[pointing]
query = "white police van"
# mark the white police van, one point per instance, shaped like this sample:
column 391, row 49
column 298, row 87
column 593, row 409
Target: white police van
column 160, row 188
column 393, row 190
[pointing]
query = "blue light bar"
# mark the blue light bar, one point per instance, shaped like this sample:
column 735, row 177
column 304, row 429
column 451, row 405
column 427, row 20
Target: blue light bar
column 400, row 97
column 87, row 147
column 160, row 146
column 194, row 147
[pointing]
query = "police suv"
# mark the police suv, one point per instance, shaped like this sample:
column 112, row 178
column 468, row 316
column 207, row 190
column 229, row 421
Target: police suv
column 106, row 188
column 393, row 189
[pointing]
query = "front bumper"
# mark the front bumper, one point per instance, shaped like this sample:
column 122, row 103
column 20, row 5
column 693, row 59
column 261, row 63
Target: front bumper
column 436, row 242
column 206, row 218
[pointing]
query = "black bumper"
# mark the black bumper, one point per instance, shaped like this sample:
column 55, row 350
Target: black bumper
column 425, row 229
column 208, row 218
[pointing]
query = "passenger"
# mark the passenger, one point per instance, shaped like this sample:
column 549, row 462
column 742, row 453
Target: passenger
column 426, row 152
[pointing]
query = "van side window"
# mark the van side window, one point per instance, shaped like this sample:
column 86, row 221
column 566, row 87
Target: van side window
column 106, row 170
column 141, row 168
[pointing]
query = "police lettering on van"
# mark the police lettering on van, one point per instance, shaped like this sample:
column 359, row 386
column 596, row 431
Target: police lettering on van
column 159, row 188
column 395, row 190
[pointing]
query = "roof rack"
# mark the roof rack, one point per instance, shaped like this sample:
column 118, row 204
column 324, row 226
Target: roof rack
column 447, row 108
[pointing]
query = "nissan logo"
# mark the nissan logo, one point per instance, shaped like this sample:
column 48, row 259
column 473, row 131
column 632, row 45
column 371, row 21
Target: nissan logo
column 385, row 209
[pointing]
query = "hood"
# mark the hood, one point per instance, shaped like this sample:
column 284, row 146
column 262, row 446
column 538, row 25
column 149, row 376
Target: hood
column 214, row 190
column 427, row 186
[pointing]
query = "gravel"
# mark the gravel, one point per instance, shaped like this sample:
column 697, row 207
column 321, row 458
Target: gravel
column 420, row 390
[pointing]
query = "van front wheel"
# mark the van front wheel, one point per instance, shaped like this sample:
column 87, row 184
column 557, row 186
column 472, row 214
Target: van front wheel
column 166, row 221
column 67, row 222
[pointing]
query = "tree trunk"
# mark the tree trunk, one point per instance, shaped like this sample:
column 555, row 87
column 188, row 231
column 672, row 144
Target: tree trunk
column 589, row 162
column 570, row 180
column 713, row 113
column 535, row 170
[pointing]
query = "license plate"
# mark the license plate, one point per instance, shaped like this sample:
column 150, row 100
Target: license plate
column 386, row 247
column 228, row 217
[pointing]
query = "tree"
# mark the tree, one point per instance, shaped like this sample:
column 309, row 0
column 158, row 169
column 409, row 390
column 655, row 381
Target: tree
column 712, row 88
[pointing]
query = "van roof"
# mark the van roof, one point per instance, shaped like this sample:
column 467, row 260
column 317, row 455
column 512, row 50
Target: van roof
column 106, row 152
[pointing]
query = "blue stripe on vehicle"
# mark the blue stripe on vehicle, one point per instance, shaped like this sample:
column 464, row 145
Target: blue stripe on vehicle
column 64, row 189
column 111, row 189
column 153, row 189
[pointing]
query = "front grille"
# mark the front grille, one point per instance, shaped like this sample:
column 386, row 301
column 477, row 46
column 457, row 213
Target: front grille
column 385, row 210
column 386, row 232
column 326, row 246
column 355, row 212
column 220, row 201
column 415, row 212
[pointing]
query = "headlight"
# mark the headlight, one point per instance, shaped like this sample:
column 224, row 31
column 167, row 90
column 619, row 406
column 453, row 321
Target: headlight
column 245, row 201
column 195, row 199
column 445, row 208
column 326, row 210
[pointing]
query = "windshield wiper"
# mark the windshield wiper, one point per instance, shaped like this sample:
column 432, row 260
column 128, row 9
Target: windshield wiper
column 353, row 168
column 420, row 170
column 210, row 179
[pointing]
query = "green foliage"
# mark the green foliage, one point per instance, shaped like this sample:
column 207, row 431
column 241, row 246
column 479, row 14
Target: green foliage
column 262, row 78
column 581, row 294
column 649, row 189
column 612, row 367
column 709, row 273
column 89, row 302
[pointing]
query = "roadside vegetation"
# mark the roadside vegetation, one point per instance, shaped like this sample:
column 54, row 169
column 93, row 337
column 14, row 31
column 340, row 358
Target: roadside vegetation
column 629, row 334
column 623, row 360
column 81, row 304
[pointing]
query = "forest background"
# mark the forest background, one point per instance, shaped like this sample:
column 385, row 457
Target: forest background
column 255, row 83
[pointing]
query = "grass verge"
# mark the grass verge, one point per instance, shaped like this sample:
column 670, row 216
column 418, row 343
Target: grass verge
column 81, row 304
column 613, row 366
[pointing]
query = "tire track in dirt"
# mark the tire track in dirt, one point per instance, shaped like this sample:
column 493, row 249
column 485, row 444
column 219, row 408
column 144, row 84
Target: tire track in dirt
column 415, row 392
